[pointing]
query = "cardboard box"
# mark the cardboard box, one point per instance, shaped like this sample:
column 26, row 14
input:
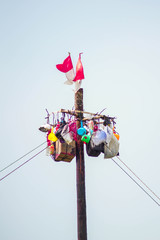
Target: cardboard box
column 64, row 152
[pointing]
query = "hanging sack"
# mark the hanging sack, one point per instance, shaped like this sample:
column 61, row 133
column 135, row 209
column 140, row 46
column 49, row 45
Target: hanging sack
column 98, row 138
column 52, row 137
column 53, row 152
column 66, row 134
column 111, row 149
column 59, row 131
column 51, row 149
column 109, row 133
column 91, row 151
column 45, row 128
column 73, row 129
column 91, row 124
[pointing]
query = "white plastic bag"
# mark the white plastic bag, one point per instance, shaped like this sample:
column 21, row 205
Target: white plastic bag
column 66, row 134
column 98, row 137
column 109, row 133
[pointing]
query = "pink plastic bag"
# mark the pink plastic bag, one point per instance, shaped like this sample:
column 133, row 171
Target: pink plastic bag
column 73, row 129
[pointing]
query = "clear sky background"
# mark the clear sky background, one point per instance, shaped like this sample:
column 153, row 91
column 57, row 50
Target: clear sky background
column 120, row 41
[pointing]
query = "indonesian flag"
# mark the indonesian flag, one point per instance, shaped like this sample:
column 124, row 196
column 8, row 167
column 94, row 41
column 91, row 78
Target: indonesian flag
column 67, row 68
column 79, row 74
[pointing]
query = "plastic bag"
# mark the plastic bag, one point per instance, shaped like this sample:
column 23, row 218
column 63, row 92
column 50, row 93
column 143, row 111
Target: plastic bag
column 109, row 133
column 45, row 128
column 91, row 124
column 52, row 137
column 59, row 131
column 51, row 149
column 91, row 151
column 73, row 129
column 111, row 149
column 98, row 137
column 96, row 145
column 66, row 134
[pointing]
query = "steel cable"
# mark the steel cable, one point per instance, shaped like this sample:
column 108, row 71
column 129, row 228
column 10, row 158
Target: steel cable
column 138, row 178
column 22, row 164
column 136, row 182
column 21, row 157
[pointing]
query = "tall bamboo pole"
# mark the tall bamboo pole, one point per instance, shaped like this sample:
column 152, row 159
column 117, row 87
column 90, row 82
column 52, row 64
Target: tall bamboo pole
column 80, row 174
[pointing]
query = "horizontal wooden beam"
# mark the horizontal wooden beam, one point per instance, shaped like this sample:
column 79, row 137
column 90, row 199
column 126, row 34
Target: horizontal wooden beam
column 95, row 115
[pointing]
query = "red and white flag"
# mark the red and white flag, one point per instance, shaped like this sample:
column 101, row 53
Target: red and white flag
column 79, row 70
column 67, row 68
column 79, row 74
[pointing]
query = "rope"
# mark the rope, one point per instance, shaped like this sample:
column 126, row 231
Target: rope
column 135, row 176
column 22, row 164
column 139, row 178
column 21, row 157
column 136, row 182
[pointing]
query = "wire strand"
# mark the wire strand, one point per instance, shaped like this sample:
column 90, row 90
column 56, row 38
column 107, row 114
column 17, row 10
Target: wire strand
column 23, row 164
column 136, row 182
column 136, row 175
column 21, row 157
column 138, row 178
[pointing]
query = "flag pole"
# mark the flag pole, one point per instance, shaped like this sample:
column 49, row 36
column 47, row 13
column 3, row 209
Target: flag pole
column 80, row 173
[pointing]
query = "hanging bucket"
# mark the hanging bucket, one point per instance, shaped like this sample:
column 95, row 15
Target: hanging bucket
column 81, row 131
column 86, row 138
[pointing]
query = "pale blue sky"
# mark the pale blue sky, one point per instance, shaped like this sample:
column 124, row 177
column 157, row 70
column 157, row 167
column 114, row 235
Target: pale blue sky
column 120, row 41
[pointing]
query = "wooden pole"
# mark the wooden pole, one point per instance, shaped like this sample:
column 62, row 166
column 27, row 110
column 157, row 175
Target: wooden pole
column 80, row 173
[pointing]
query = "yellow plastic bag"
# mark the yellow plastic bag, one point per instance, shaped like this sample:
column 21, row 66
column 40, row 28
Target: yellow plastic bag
column 52, row 137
